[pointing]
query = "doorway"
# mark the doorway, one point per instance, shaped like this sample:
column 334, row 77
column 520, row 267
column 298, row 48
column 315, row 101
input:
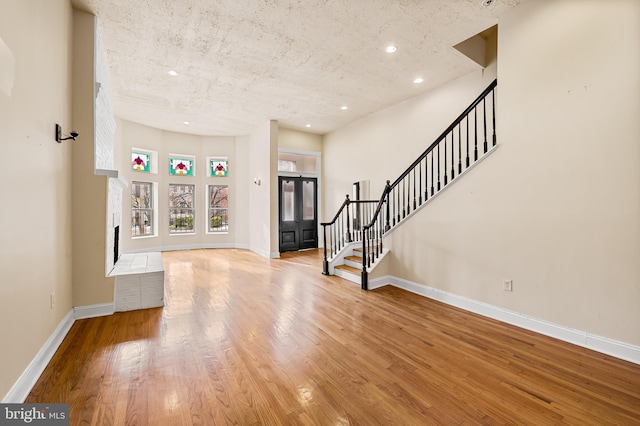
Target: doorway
column 298, row 213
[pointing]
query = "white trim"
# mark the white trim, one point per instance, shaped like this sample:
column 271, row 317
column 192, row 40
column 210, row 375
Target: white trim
column 273, row 255
column 317, row 175
column 107, row 172
column 587, row 340
column 380, row 282
column 193, row 247
column 207, row 206
column 447, row 186
column 348, row 276
column 348, row 250
column 338, row 258
column 300, row 152
column 114, row 174
column 298, row 174
column 21, row 388
column 93, row 311
column 142, row 237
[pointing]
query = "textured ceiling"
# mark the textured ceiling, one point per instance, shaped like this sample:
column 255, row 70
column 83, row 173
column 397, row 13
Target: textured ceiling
column 242, row 62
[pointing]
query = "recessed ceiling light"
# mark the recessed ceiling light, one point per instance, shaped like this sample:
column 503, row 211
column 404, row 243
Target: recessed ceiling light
column 308, row 125
column 172, row 73
column 418, row 80
column 186, row 122
column 391, row 48
column 344, row 107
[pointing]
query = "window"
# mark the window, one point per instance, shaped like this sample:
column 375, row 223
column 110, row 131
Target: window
column 144, row 161
column 218, row 208
column 181, row 209
column 218, row 166
column 140, row 161
column 141, row 209
column 286, row 165
column 181, row 166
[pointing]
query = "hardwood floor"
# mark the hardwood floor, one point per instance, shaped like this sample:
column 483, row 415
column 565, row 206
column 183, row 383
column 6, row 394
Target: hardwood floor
column 247, row 340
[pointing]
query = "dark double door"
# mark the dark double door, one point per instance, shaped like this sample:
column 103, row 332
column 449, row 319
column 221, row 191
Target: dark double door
column 298, row 212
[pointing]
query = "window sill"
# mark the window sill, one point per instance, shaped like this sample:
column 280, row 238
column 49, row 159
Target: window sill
column 143, row 237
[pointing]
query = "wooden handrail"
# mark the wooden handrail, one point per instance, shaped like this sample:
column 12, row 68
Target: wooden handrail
column 457, row 121
column 405, row 194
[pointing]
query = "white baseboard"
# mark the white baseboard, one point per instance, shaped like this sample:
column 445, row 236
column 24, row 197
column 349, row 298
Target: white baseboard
column 263, row 253
column 600, row 344
column 20, row 390
column 92, row 311
column 191, row 247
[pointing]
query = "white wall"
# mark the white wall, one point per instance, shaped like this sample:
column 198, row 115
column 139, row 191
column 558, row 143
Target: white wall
column 557, row 207
column 104, row 149
column 263, row 213
column 382, row 145
column 243, row 186
column 130, row 135
column 35, row 218
column 253, row 209
column 569, row 113
column 90, row 191
column 295, row 139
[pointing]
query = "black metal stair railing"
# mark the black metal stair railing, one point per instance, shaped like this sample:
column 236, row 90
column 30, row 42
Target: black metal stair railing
column 345, row 227
column 463, row 143
column 372, row 234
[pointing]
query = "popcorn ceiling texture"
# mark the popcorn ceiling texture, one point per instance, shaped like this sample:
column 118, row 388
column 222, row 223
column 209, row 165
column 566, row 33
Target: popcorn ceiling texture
column 241, row 62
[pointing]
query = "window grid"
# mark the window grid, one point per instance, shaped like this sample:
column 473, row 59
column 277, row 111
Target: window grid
column 141, row 209
column 181, row 209
column 218, row 208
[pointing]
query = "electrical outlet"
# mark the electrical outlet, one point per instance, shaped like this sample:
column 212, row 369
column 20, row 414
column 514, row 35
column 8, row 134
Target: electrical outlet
column 53, row 300
column 507, row 285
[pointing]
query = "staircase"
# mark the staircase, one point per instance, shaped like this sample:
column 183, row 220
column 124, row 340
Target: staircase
column 354, row 239
column 350, row 268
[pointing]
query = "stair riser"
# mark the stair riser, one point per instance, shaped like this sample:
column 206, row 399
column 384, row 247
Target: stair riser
column 347, row 276
column 357, row 265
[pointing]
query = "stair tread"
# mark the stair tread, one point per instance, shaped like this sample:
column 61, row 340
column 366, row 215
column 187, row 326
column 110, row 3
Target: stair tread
column 348, row 268
column 354, row 258
column 369, row 248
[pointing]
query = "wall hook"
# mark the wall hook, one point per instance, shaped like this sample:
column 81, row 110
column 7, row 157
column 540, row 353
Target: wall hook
column 73, row 135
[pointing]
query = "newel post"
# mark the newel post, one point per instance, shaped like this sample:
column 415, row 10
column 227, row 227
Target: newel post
column 325, row 264
column 364, row 275
column 347, row 202
column 387, row 190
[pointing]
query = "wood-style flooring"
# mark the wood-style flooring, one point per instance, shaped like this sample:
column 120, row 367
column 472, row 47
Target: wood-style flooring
column 245, row 340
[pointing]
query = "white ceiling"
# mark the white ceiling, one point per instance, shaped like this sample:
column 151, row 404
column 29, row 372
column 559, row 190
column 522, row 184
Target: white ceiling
column 242, row 62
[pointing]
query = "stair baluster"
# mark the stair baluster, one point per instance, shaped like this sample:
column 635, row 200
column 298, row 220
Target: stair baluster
column 373, row 221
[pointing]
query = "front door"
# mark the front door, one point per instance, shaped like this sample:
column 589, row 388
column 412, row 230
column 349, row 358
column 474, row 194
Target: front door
column 298, row 213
